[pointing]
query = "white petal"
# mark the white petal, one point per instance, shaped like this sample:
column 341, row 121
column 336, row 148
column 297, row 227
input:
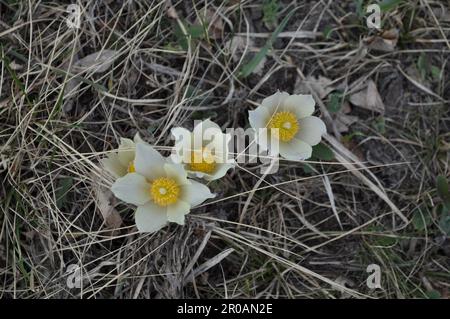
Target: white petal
column 196, row 174
column 301, row 105
column 206, row 124
column 219, row 173
column 176, row 212
column 266, row 140
column 126, row 151
column 150, row 218
column 177, row 172
column 113, row 165
column 219, row 146
column 132, row 188
column 181, row 135
column 274, row 101
column 311, row 129
column 148, row 161
column 183, row 144
column 295, row 150
column 204, row 132
column 259, row 117
column 196, row 193
column 255, row 138
column 138, row 139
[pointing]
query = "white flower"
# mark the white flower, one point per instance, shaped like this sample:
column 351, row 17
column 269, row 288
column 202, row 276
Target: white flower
column 121, row 162
column 161, row 190
column 204, row 151
column 291, row 115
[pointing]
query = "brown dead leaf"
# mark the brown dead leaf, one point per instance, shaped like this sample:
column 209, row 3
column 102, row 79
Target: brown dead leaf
column 342, row 118
column 213, row 22
column 321, row 85
column 368, row 98
column 344, row 121
column 104, row 199
column 346, row 108
column 97, row 62
column 385, row 42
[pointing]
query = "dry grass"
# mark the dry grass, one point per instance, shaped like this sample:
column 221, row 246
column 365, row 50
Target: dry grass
column 308, row 231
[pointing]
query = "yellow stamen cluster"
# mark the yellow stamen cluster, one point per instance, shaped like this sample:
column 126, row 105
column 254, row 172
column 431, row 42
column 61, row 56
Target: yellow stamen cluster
column 286, row 123
column 164, row 191
column 131, row 168
column 202, row 161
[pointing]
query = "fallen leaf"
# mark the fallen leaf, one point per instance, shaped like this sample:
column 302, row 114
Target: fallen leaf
column 104, row 201
column 212, row 21
column 368, row 98
column 70, row 91
column 346, row 108
column 236, row 46
column 321, row 85
column 385, row 42
column 344, row 121
column 97, row 62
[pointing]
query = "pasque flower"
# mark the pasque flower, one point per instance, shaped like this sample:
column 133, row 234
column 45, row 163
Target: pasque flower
column 204, row 151
column 160, row 190
column 121, row 161
column 289, row 119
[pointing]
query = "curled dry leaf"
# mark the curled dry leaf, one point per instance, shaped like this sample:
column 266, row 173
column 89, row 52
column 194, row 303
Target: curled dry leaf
column 385, row 42
column 368, row 98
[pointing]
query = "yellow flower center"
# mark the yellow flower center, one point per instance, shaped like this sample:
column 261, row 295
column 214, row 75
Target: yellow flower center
column 164, row 191
column 202, row 161
column 131, row 168
column 286, row 123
